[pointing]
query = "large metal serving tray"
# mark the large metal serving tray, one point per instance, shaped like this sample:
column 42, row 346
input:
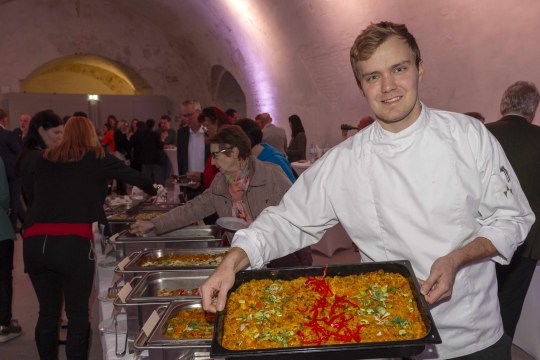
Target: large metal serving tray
column 120, row 221
column 142, row 298
column 129, row 267
column 386, row 349
column 189, row 237
column 161, row 347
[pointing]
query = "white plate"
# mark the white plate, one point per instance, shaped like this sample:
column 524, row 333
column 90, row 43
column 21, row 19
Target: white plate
column 232, row 223
column 107, row 325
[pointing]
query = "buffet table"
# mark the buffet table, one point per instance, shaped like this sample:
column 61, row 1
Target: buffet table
column 104, row 277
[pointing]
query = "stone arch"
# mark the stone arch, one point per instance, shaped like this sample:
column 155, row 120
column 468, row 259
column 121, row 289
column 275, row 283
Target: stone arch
column 85, row 74
column 226, row 92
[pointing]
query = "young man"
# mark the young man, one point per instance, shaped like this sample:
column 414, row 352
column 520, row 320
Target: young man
column 421, row 184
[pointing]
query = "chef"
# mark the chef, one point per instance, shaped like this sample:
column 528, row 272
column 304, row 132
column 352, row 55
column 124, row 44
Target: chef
column 426, row 185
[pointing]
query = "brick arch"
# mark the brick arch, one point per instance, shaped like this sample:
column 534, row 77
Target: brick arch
column 85, row 74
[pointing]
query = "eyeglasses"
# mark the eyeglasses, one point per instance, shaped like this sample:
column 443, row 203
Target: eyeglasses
column 188, row 115
column 215, row 153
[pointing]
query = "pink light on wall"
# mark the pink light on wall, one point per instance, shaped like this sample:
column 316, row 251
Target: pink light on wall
column 252, row 36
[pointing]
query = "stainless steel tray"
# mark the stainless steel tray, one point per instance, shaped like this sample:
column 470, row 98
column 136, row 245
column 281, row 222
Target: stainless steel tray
column 130, row 267
column 188, row 237
column 162, row 347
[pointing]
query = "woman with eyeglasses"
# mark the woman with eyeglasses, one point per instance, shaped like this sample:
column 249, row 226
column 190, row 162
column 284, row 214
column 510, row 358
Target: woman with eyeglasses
column 243, row 188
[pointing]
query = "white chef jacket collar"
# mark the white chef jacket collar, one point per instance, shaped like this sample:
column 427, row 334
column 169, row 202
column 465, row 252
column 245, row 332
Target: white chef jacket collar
column 385, row 135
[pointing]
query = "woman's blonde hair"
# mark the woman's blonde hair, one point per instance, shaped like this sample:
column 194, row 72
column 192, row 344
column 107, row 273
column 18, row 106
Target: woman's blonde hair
column 80, row 137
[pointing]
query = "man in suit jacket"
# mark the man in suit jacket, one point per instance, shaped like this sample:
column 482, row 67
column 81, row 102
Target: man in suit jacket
column 272, row 135
column 520, row 140
column 10, row 147
column 192, row 151
column 21, row 131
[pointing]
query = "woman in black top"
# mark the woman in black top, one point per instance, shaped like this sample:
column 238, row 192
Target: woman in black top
column 69, row 189
column 152, row 153
column 297, row 147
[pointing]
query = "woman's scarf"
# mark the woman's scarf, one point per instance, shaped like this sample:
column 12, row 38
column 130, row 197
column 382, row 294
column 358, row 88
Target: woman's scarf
column 237, row 188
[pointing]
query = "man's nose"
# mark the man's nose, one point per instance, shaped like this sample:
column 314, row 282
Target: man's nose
column 388, row 83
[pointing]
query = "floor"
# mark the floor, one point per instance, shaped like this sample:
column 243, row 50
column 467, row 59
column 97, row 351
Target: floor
column 25, row 309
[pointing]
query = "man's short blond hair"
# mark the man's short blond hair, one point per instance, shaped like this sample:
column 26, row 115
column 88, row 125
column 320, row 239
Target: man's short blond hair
column 195, row 103
column 373, row 36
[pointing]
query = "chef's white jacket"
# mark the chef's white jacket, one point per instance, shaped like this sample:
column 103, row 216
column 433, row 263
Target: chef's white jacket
column 417, row 195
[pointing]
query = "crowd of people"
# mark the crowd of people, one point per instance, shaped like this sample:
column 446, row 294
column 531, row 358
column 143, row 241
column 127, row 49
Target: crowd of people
column 472, row 245
column 56, row 173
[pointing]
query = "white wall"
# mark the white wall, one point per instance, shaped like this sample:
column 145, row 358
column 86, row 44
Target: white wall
column 289, row 56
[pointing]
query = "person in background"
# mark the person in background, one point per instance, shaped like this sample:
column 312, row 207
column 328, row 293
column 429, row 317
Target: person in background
column 212, row 119
column 10, row 148
column 191, row 149
column 520, row 140
column 21, row 131
column 122, row 150
column 265, row 152
column 132, row 128
column 476, row 115
column 136, row 145
column 365, row 121
column 384, row 185
column 243, row 188
column 168, row 135
column 9, row 327
column 69, row 190
column 151, row 153
column 272, row 135
column 108, row 136
column 45, row 130
column 297, row 147
column 232, row 114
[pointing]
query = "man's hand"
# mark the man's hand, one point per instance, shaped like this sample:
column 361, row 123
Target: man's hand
column 443, row 272
column 214, row 290
column 141, row 227
column 441, row 278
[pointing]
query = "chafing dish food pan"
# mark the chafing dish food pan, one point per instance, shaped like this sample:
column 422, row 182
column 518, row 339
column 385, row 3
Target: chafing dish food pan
column 131, row 265
column 402, row 348
column 142, row 295
column 188, row 237
column 160, row 346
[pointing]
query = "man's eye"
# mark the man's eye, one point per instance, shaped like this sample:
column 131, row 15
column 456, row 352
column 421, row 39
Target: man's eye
column 400, row 69
column 372, row 78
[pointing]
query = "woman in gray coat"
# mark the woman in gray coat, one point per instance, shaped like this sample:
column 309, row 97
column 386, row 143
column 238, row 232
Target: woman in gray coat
column 243, row 188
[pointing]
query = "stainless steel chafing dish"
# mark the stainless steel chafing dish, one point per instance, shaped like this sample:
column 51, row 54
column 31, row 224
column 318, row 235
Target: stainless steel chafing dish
column 130, row 266
column 159, row 346
column 189, row 237
column 140, row 297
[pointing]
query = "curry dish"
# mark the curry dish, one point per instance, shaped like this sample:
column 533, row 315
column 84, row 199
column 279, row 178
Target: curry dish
column 308, row 311
column 183, row 260
column 190, row 324
column 178, row 292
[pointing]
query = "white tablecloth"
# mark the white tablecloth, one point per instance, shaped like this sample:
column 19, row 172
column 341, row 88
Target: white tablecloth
column 104, row 277
column 171, row 154
column 527, row 334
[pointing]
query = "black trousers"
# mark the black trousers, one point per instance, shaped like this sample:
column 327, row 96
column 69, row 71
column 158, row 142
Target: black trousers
column 513, row 280
column 6, row 280
column 61, row 267
column 501, row 350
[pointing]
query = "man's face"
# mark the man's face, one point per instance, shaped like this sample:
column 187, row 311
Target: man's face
column 390, row 81
column 191, row 115
column 24, row 120
column 164, row 124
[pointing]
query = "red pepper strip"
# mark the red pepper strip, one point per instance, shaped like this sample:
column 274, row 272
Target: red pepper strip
column 302, row 309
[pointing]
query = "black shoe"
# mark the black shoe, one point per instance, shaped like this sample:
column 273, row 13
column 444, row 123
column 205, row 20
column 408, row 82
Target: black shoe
column 10, row 332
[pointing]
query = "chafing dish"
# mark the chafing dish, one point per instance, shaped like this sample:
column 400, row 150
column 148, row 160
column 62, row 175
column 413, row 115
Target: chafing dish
column 387, row 349
column 130, row 266
column 140, row 297
column 189, row 237
column 159, row 346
